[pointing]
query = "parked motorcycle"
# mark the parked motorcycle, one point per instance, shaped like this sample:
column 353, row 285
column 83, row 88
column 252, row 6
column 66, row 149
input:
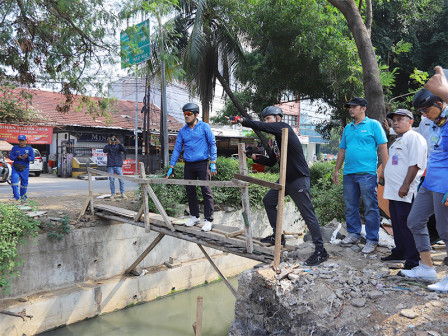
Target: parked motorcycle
column 5, row 171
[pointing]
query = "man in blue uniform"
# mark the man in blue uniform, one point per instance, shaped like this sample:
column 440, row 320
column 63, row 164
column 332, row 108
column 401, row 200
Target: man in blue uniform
column 199, row 145
column 21, row 155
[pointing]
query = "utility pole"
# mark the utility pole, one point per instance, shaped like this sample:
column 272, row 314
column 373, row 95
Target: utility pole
column 164, row 123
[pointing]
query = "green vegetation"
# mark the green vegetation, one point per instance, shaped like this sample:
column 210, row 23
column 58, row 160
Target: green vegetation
column 327, row 197
column 15, row 228
column 59, row 229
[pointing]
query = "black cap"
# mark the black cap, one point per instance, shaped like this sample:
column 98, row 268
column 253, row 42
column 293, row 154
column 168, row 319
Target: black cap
column 357, row 101
column 401, row 112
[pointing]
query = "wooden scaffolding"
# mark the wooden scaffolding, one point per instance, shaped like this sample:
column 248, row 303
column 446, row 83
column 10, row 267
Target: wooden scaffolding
column 224, row 238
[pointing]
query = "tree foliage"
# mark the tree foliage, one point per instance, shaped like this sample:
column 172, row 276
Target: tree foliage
column 63, row 43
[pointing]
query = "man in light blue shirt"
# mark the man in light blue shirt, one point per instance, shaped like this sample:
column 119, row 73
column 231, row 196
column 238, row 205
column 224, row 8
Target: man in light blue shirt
column 361, row 141
column 199, row 145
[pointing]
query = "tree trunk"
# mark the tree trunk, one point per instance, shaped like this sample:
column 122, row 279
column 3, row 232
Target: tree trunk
column 371, row 74
column 242, row 111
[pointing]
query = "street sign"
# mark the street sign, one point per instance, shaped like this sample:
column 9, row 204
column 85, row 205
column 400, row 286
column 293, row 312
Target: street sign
column 135, row 44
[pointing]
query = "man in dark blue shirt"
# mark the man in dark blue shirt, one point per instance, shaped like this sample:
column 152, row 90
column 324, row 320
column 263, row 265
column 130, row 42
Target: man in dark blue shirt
column 199, row 145
column 21, row 154
column 115, row 163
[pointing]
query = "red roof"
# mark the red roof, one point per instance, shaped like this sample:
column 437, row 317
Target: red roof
column 46, row 103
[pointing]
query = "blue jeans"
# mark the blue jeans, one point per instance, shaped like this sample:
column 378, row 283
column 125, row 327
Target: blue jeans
column 23, row 177
column 365, row 186
column 118, row 171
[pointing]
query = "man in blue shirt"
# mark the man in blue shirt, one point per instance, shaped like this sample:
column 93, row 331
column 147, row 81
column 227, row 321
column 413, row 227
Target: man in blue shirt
column 360, row 142
column 199, row 145
column 433, row 193
column 21, row 155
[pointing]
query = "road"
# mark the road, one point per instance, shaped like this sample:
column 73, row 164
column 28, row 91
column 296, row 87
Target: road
column 50, row 185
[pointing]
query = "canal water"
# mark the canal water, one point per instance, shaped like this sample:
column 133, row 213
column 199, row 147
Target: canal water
column 169, row 316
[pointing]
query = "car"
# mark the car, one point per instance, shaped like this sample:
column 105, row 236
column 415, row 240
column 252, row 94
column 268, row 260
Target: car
column 36, row 166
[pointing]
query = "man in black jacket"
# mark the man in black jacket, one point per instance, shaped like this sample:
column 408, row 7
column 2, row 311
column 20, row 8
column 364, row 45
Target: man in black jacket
column 297, row 179
column 114, row 164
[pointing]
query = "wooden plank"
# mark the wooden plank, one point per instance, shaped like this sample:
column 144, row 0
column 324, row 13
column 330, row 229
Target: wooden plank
column 84, row 208
column 230, row 184
column 234, row 234
column 115, row 210
column 159, row 206
column 245, row 200
column 281, row 198
column 257, row 255
column 145, row 253
column 254, row 180
column 226, row 281
column 145, row 199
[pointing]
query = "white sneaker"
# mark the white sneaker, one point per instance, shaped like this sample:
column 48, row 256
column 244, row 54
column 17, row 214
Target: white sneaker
column 420, row 272
column 193, row 221
column 441, row 286
column 350, row 240
column 208, row 226
column 123, row 196
column 112, row 197
column 369, row 248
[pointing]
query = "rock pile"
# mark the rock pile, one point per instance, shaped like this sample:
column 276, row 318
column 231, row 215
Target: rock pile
column 350, row 294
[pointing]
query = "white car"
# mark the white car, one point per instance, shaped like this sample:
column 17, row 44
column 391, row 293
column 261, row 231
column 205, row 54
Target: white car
column 36, row 166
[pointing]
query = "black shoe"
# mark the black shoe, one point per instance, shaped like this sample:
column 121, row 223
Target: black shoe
column 408, row 267
column 318, row 257
column 393, row 259
column 271, row 240
column 445, row 261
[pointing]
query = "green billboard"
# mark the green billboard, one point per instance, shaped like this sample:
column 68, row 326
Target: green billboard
column 135, row 46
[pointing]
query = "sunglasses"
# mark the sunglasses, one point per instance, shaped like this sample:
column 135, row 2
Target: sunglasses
column 423, row 110
column 188, row 113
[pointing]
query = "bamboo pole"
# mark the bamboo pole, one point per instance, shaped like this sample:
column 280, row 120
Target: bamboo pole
column 281, row 198
column 245, row 200
column 197, row 326
column 226, row 281
column 145, row 199
column 91, row 193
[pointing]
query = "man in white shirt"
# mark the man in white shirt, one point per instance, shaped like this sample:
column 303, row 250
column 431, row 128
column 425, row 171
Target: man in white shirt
column 404, row 168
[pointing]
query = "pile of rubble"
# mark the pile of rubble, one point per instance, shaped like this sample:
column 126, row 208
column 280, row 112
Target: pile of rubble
column 350, row 294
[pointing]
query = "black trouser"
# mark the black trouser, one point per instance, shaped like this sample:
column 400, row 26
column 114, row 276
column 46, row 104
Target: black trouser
column 299, row 190
column 199, row 171
column 403, row 238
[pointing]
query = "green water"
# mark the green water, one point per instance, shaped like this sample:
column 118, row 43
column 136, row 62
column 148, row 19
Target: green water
column 169, row 316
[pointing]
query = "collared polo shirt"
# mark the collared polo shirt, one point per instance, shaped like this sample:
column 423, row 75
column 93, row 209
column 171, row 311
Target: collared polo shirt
column 361, row 143
column 408, row 150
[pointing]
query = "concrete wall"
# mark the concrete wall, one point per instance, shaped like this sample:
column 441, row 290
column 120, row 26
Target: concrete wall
column 105, row 251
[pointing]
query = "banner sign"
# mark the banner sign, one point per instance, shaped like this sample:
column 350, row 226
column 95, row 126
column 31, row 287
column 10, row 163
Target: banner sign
column 155, row 141
column 91, row 137
column 39, row 135
column 99, row 157
column 129, row 167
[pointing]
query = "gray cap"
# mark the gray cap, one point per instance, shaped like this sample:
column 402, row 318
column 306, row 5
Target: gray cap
column 401, row 112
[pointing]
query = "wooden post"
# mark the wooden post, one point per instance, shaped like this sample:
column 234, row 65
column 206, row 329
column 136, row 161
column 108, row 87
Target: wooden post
column 89, row 175
column 245, row 200
column 228, row 284
column 197, row 326
column 145, row 198
column 281, row 198
column 145, row 252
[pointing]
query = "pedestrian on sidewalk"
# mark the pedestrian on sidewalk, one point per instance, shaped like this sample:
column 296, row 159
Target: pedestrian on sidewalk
column 361, row 140
column 198, row 143
column 114, row 150
column 297, row 179
column 402, row 173
column 21, row 155
column 432, row 195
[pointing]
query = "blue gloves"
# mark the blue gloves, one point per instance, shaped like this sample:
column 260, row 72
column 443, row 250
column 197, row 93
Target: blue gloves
column 170, row 171
column 444, row 198
column 213, row 167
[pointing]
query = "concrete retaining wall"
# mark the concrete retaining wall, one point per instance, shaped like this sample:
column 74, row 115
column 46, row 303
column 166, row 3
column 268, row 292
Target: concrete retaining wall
column 65, row 281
